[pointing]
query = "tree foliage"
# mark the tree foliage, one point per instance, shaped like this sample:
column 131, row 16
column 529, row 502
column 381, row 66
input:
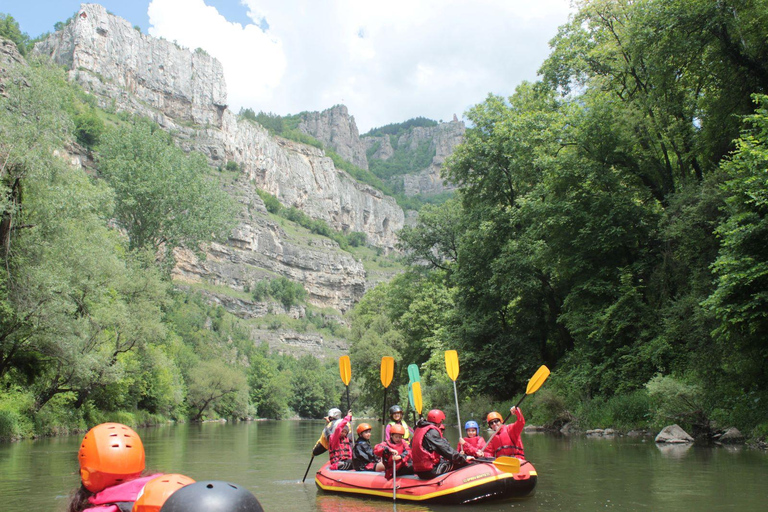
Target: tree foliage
column 164, row 198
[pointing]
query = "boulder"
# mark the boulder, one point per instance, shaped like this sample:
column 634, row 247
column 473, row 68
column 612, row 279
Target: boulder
column 673, row 434
column 731, row 436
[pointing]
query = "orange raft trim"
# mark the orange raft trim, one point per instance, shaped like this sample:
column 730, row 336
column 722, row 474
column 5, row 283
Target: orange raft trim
column 480, row 481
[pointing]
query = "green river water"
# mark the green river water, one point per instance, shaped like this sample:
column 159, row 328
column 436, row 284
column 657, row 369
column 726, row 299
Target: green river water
column 269, row 458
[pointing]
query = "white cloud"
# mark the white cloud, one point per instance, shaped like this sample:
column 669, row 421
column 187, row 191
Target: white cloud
column 386, row 61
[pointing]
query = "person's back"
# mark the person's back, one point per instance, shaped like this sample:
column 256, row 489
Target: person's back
column 111, row 458
column 432, row 454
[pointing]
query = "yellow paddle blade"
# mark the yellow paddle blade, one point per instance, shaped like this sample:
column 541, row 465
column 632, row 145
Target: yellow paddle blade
column 452, row 364
column 507, row 464
column 416, row 388
column 537, row 380
column 345, row 369
column 387, row 370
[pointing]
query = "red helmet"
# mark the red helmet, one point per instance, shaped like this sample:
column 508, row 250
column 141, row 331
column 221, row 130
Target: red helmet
column 110, row 453
column 397, row 429
column 494, row 416
column 362, row 428
column 157, row 490
column 435, row 416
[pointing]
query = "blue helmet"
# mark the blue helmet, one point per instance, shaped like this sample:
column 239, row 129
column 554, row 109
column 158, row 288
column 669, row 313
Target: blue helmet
column 471, row 424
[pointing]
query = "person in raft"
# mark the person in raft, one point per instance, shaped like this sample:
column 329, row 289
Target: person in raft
column 432, row 454
column 507, row 440
column 158, row 490
column 323, row 443
column 111, row 459
column 472, row 444
column 363, row 458
column 340, row 450
column 212, row 496
column 397, row 450
column 396, row 417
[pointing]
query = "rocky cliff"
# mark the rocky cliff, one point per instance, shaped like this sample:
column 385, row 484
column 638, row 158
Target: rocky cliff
column 336, row 129
column 442, row 140
column 185, row 93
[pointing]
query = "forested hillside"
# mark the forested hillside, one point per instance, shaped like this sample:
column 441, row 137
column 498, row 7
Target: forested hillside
column 611, row 223
column 91, row 326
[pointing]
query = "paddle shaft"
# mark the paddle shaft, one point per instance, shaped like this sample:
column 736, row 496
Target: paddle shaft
column 308, row 466
column 456, row 397
column 349, row 405
column 394, row 480
column 384, row 418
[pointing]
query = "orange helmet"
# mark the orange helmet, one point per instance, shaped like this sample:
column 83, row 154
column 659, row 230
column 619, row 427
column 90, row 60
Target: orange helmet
column 362, row 428
column 494, row 416
column 110, row 453
column 157, row 490
column 397, row 429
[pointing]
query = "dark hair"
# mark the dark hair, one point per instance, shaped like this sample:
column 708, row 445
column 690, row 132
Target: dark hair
column 79, row 500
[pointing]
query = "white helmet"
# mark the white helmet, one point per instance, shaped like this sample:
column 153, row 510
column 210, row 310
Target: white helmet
column 334, row 414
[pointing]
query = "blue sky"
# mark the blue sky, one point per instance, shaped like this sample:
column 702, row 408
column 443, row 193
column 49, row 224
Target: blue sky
column 36, row 17
column 386, row 61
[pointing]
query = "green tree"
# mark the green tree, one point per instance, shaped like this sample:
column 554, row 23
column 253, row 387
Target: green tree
column 164, row 198
column 9, row 29
column 210, row 383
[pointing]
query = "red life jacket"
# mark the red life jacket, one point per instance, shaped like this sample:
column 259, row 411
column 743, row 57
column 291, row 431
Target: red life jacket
column 382, row 450
column 504, row 444
column 118, row 497
column 341, row 446
column 423, row 460
column 473, row 446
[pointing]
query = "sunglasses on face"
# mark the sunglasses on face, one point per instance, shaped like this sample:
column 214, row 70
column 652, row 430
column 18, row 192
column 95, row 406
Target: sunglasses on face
column 494, row 421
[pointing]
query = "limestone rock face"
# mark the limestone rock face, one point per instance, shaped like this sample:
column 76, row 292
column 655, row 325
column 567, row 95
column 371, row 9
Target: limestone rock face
column 444, row 139
column 185, row 93
column 110, row 58
column 336, row 129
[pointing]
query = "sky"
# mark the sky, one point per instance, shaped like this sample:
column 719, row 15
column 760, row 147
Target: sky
column 386, row 61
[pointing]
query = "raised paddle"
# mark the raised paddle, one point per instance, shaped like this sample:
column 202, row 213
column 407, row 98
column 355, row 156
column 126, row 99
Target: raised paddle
column 387, row 372
column 413, row 376
column 534, row 383
column 345, row 370
column 416, row 387
column 452, row 366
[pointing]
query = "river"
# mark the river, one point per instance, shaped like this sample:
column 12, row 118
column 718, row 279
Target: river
column 269, row 458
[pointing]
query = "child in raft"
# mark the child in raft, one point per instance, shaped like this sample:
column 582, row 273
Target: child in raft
column 507, row 439
column 397, row 450
column 472, row 444
column 340, row 450
column 396, row 417
column 363, row 458
column 111, row 459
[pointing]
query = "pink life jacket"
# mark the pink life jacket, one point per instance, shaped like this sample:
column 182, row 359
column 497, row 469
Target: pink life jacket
column 111, row 498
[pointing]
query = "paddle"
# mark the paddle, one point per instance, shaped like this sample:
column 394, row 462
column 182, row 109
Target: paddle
column 417, row 397
column 387, row 372
column 505, row 463
column 413, row 376
column 534, row 383
column 345, row 369
column 452, row 366
column 394, row 480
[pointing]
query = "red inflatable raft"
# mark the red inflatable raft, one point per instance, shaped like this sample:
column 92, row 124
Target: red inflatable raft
column 480, row 481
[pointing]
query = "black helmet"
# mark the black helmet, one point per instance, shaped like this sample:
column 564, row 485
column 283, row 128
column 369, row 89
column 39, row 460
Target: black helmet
column 212, row 496
column 394, row 409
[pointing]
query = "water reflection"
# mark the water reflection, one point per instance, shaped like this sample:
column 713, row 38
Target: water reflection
column 673, row 451
column 269, row 459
